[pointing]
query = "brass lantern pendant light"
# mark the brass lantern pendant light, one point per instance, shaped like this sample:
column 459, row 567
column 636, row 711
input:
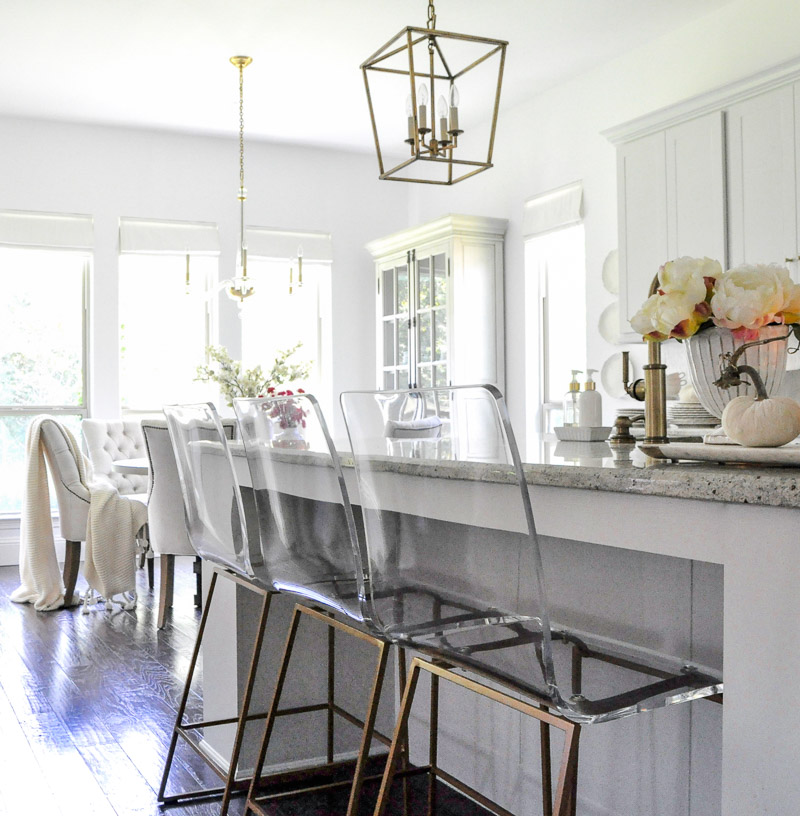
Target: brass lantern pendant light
column 447, row 143
column 241, row 286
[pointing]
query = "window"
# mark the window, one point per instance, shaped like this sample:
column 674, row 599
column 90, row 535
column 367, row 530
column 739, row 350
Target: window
column 42, row 352
column 275, row 319
column 555, row 272
column 165, row 271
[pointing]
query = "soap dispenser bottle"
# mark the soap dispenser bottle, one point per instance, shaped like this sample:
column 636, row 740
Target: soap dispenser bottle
column 571, row 400
column 590, row 403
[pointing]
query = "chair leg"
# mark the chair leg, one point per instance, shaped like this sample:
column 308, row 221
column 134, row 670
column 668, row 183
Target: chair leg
column 150, row 569
column 166, row 587
column 547, row 779
column 241, row 720
column 72, row 562
column 186, row 690
column 197, row 569
column 564, row 802
column 368, row 726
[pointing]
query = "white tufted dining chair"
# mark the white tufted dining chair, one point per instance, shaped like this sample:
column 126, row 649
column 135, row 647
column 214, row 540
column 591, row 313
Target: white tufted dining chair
column 106, row 441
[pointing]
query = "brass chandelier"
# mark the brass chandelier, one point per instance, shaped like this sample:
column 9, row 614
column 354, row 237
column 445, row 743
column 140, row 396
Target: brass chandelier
column 241, row 287
column 425, row 61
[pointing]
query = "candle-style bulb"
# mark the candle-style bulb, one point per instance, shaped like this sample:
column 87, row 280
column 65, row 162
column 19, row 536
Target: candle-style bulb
column 299, row 250
column 422, row 94
column 441, row 107
column 455, row 97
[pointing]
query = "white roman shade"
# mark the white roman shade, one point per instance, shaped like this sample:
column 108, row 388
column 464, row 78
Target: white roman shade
column 39, row 230
column 282, row 244
column 553, row 210
column 145, row 236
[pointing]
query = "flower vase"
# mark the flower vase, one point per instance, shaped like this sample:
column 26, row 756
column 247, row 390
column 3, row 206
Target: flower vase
column 289, row 437
column 703, row 353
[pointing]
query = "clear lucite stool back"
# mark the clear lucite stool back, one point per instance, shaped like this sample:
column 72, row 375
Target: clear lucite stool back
column 423, row 458
column 309, row 539
column 216, row 517
column 455, row 565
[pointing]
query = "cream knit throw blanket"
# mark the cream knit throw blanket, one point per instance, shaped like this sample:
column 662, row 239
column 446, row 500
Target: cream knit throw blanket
column 110, row 538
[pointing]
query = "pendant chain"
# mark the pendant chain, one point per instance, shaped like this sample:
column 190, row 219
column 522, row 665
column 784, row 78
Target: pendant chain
column 241, row 127
column 431, row 15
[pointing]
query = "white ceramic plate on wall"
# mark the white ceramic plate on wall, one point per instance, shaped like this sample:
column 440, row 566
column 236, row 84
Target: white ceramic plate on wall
column 608, row 324
column 611, row 272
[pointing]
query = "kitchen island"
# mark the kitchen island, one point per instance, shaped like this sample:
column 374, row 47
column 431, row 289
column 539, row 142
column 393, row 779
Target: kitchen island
column 660, row 544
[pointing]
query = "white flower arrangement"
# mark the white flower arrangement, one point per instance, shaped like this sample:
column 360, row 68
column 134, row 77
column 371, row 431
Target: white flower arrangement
column 694, row 293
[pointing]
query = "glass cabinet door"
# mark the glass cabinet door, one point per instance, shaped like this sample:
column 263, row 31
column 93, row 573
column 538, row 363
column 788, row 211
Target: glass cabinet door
column 396, row 317
column 430, row 320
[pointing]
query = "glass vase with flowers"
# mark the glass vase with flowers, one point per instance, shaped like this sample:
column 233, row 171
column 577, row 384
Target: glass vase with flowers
column 752, row 309
column 289, row 420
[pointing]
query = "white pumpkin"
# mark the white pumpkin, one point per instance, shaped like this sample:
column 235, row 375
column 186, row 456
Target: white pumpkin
column 761, row 423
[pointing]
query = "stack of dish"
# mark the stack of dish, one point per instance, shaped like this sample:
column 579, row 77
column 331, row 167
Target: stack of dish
column 690, row 414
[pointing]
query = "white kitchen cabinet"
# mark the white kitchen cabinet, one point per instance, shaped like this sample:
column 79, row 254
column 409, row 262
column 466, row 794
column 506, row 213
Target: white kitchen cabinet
column 439, row 297
column 762, row 178
column 671, row 203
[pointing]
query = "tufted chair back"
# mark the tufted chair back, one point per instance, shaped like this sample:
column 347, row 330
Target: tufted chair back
column 71, row 493
column 108, row 440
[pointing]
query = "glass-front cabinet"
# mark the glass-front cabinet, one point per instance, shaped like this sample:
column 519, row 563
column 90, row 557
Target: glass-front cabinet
column 440, row 303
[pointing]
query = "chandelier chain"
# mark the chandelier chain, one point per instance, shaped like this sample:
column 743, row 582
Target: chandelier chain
column 241, row 126
column 431, row 15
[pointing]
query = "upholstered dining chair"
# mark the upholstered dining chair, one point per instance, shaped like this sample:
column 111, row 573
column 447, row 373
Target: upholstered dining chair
column 311, row 549
column 220, row 523
column 73, row 499
column 106, row 441
column 489, row 627
column 165, row 512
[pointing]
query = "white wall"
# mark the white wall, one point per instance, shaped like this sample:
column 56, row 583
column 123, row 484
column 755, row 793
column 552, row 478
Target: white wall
column 112, row 172
column 554, row 139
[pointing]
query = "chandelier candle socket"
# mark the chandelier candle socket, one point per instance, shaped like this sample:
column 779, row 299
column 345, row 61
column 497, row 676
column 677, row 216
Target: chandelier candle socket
column 427, row 61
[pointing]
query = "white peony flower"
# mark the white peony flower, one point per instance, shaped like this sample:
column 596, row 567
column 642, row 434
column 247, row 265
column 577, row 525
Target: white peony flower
column 750, row 296
column 687, row 275
column 661, row 315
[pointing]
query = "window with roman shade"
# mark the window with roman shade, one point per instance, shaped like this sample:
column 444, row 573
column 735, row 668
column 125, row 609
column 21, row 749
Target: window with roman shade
column 287, row 310
column 166, row 269
column 44, row 274
column 555, row 282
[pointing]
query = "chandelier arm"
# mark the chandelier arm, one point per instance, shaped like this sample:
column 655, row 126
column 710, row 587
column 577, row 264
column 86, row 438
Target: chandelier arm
column 478, row 61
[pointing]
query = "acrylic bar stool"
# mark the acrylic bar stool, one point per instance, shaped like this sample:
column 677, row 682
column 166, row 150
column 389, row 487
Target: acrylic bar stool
column 217, row 521
column 489, row 558
column 312, row 550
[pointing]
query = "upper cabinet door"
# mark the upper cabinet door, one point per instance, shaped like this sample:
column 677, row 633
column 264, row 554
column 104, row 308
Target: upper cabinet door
column 644, row 247
column 762, row 210
column 696, row 189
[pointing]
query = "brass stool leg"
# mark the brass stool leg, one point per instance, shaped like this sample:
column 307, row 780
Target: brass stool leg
column 547, row 780
column 331, row 688
column 273, row 708
column 397, row 740
column 245, row 708
column 186, row 690
column 368, row 726
column 563, row 804
column 433, row 743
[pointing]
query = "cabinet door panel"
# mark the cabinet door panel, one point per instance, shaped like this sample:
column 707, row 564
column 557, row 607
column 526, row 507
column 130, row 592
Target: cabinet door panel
column 696, row 188
column 761, row 179
column 642, row 187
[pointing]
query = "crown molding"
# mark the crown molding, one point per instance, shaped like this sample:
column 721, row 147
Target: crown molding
column 717, row 99
column 468, row 226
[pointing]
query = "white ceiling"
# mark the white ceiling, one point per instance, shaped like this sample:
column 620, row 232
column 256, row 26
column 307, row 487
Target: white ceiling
column 164, row 63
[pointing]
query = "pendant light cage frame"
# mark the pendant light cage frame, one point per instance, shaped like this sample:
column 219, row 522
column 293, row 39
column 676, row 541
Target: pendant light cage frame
column 440, row 71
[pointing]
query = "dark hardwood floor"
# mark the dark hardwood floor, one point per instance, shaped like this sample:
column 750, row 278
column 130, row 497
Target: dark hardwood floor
column 87, row 705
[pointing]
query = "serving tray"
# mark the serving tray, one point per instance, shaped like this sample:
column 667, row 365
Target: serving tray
column 787, row 456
